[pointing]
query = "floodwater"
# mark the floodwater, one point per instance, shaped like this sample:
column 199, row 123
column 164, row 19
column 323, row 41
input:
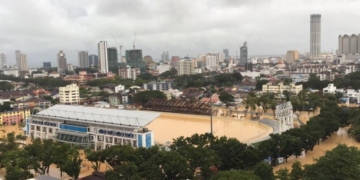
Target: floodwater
column 340, row 137
column 171, row 125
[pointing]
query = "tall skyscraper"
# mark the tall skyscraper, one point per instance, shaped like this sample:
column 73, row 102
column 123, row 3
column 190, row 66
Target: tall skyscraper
column 113, row 59
column 134, row 59
column 3, row 64
column 83, row 58
column 23, row 62
column 18, row 58
column 94, row 60
column 46, row 65
column 103, row 56
column 165, row 56
column 61, row 61
column 315, row 36
column 226, row 52
column 243, row 54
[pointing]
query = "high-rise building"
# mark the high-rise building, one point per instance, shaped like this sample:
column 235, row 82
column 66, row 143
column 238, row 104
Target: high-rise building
column 292, row 56
column 165, row 56
column 349, row 44
column 93, row 60
column 46, row 65
column 134, row 59
column 226, row 52
column 83, row 58
column 103, row 57
column 243, row 54
column 212, row 62
column 129, row 72
column 18, row 59
column 185, row 66
column 3, row 64
column 315, row 36
column 69, row 67
column 61, row 61
column 174, row 60
column 113, row 59
column 23, row 62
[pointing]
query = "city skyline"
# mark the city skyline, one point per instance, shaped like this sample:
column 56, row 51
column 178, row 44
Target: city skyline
column 170, row 26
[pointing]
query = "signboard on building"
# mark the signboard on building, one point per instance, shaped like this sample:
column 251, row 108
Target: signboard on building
column 283, row 110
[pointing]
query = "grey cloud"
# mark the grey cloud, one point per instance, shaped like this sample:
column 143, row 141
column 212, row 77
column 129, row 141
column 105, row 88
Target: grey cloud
column 41, row 27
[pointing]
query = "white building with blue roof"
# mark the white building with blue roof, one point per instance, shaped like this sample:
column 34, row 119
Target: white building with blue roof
column 92, row 127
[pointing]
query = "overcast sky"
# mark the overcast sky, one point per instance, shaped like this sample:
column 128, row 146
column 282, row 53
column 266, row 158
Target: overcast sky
column 40, row 28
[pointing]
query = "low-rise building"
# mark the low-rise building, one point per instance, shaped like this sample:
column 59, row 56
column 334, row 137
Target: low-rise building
column 95, row 128
column 159, row 86
column 280, row 88
column 119, row 88
column 14, row 117
column 331, row 88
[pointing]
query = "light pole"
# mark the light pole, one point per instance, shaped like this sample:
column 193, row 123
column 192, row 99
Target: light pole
column 211, row 113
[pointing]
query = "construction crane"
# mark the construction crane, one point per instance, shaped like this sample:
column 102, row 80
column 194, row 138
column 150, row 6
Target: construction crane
column 120, row 46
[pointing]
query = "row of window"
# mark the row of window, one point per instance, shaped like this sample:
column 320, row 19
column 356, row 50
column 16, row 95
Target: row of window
column 129, row 135
column 44, row 123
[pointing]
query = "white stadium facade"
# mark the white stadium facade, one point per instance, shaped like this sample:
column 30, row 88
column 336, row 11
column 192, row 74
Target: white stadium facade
column 91, row 127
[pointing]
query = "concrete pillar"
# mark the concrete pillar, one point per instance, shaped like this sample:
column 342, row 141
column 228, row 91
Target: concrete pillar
column 95, row 141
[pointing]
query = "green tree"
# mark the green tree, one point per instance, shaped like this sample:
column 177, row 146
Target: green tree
column 96, row 158
column 296, row 171
column 226, row 98
column 260, row 83
column 235, row 175
column 16, row 173
column 282, row 174
column 169, row 74
column 264, row 171
column 62, row 153
column 72, row 166
column 127, row 171
column 144, row 96
column 6, row 86
column 340, row 163
column 265, row 102
column 43, row 153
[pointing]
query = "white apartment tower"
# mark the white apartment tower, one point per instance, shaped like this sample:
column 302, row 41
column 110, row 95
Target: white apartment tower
column 212, row 62
column 129, row 73
column 83, row 58
column 23, row 62
column 103, row 56
column 315, row 36
column 185, row 66
column 69, row 94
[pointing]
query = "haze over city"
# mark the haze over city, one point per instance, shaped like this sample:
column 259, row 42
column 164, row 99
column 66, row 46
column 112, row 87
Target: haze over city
column 42, row 27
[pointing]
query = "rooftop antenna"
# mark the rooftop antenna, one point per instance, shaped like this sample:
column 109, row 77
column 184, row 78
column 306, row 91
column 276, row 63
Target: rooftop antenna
column 120, row 46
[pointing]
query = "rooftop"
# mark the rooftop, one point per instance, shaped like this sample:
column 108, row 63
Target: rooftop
column 100, row 115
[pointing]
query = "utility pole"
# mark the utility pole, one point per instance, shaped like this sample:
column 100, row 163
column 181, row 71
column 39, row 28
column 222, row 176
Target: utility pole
column 211, row 112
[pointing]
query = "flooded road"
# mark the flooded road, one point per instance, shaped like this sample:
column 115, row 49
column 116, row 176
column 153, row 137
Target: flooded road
column 340, row 136
column 171, row 125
